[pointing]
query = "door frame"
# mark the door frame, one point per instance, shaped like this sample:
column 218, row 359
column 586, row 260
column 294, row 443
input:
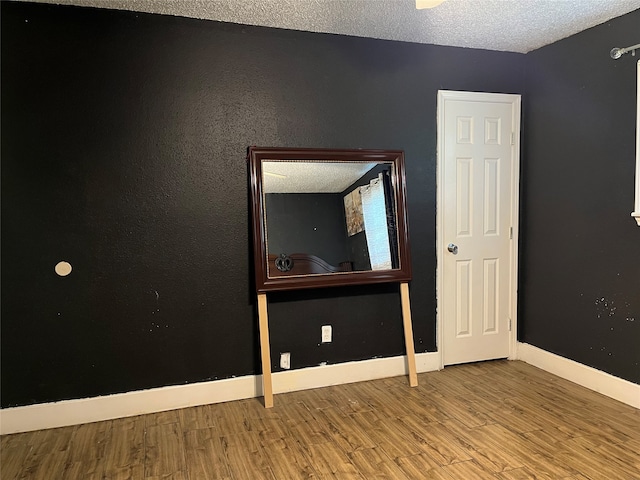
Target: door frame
column 516, row 102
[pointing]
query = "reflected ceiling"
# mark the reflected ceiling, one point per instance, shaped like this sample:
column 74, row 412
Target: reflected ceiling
column 311, row 177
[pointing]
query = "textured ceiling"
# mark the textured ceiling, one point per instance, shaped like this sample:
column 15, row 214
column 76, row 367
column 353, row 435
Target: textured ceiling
column 506, row 25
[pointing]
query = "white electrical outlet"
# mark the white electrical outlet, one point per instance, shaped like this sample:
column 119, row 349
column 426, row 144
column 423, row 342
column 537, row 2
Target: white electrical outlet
column 285, row 360
column 326, row 333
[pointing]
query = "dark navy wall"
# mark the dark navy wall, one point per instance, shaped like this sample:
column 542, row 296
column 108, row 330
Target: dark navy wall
column 124, row 138
column 580, row 253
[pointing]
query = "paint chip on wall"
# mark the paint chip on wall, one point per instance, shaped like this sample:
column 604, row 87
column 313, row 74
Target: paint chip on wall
column 63, row 269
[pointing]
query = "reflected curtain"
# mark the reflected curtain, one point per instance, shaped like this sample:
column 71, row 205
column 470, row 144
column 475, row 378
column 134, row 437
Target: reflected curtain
column 374, row 211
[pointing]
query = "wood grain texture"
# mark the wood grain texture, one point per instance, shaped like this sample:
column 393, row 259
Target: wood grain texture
column 408, row 333
column 265, row 350
column 496, row 420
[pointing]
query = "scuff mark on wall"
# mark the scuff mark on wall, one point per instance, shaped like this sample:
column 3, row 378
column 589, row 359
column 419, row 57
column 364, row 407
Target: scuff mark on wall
column 157, row 302
column 606, row 308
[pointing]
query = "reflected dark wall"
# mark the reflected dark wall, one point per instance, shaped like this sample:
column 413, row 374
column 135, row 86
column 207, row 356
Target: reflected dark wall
column 359, row 251
column 124, row 140
column 310, row 223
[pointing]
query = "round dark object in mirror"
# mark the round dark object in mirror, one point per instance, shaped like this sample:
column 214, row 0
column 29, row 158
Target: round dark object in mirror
column 284, row 263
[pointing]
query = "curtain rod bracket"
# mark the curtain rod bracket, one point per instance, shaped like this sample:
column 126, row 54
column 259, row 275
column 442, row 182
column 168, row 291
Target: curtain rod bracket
column 616, row 52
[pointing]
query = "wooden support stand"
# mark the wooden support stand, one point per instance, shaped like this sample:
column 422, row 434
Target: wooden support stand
column 408, row 334
column 263, row 321
column 265, row 349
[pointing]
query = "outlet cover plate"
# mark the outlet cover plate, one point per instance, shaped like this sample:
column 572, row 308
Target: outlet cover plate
column 326, row 333
column 285, row 360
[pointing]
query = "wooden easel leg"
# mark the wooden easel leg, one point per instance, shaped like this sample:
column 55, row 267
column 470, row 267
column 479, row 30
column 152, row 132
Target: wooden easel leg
column 408, row 334
column 265, row 350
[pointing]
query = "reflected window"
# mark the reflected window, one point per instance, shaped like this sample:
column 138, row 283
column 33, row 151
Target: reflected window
column 375, row 224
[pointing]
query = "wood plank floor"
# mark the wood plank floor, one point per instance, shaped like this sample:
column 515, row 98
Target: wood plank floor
column 495, row 420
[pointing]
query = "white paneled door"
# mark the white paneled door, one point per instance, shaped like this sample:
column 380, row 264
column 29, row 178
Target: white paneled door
column 477, row 212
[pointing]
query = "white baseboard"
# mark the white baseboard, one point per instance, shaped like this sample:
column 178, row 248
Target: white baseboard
column 604, row 383
column 87, row 410
column 95, row 409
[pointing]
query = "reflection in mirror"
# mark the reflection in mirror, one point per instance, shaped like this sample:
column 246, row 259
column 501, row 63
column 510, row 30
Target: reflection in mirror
column 328, row 217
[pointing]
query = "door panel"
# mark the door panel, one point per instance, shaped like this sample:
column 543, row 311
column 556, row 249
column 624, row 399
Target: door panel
column 477, row 159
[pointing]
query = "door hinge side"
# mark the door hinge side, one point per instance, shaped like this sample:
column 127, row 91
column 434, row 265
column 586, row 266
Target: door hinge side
column 513, row 138
column 510, row 233
column 509, row 324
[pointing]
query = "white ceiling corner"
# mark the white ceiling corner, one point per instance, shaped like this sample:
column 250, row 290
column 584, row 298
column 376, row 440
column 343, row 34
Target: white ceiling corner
column 504, row 25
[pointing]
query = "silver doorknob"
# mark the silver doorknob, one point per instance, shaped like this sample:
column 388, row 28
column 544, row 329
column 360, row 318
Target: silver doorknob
column 453, row 248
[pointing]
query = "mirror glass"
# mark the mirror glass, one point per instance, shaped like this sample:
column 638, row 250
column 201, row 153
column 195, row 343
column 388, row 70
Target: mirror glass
column 328, row 217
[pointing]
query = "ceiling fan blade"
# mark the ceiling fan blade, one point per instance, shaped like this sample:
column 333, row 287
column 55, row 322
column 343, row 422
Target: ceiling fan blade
column 420, row 4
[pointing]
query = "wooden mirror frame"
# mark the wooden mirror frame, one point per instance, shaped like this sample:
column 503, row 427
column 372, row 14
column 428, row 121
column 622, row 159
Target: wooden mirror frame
column 264, row 283
column 636, row 211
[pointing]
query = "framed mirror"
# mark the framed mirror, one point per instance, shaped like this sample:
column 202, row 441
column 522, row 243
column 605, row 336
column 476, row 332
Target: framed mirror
column 326, row 217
